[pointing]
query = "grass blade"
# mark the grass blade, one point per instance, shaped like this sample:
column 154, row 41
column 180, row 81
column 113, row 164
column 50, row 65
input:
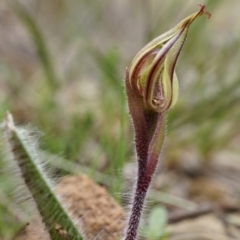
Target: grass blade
column 40, row 44
column 58, row 221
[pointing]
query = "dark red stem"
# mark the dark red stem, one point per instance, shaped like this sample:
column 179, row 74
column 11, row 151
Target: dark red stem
column 137, row 207
column 149, row 130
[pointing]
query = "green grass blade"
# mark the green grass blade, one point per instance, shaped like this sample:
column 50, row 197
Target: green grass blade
column 40, row 44
column 50, row 207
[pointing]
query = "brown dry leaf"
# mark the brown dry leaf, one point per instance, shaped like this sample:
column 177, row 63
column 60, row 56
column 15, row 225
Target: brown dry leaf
column 207, row 227
column 208, row 190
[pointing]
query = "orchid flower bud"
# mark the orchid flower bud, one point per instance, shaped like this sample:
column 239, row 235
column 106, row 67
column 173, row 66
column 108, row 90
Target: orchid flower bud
column 152, row 72
column 152, row 89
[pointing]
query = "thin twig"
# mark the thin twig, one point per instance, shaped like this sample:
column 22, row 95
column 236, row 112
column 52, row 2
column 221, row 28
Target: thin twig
column 181, row 215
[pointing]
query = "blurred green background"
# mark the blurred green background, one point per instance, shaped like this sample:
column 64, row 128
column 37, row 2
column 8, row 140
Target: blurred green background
column 62, row 66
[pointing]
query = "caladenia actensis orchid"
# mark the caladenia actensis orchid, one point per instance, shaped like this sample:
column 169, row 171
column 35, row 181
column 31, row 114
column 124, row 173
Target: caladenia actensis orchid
column 152, row 89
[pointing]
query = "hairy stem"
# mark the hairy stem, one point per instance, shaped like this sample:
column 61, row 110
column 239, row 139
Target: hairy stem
column 137, row 207
column 145, row 174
